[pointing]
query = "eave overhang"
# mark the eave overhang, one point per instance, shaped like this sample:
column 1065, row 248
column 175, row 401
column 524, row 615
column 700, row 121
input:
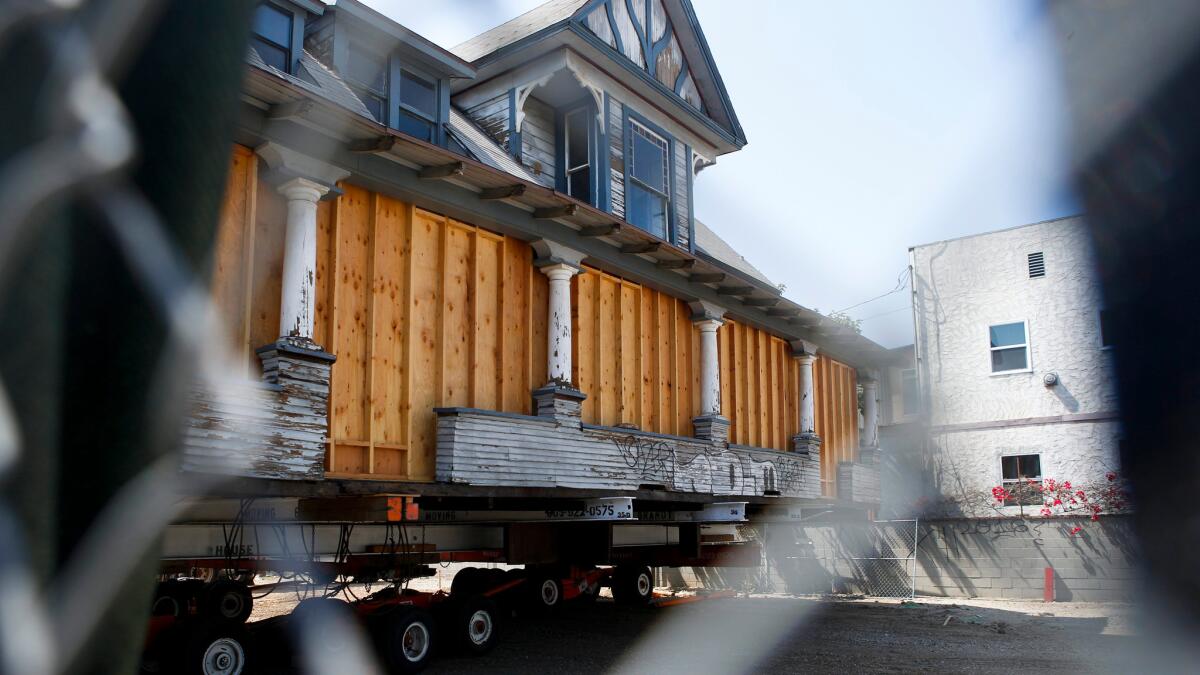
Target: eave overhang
column 406, row 168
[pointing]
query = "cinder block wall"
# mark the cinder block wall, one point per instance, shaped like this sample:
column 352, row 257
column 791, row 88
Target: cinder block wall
column 997, row 558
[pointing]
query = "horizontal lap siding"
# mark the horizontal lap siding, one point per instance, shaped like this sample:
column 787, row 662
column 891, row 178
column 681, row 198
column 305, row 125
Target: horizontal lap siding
column 421, row 311
column 633, row 355
column 836, row 407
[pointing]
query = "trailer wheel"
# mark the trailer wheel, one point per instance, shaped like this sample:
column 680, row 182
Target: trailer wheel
column 633, row 586
column 472, row 625
column 466, row 581
column 545, row 589
column 216, row 649
column 227, row 600
column 405, row 639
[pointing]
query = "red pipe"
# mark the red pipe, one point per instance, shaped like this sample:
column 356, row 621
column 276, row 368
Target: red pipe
column 1048, row 588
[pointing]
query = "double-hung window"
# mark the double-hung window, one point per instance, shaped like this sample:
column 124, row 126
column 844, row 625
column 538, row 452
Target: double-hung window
column 368, row 76
column 418, row 106
column 272, row 36
column 1010, row 347
column 1021, row 476
column 648, row 201
column 577, row 136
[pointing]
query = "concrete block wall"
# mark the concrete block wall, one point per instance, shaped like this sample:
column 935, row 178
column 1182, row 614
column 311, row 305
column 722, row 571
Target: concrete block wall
column 998, row 558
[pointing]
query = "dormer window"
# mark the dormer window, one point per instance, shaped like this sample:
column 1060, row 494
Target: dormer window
column 367, row 75
column 272, row 36
column 418, row 105
column 649, row 199
column 578, row 153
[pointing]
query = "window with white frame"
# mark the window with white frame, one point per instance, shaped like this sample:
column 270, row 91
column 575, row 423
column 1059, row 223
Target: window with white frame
column 1009, row 347
column 648, row 201
column 578, row 152
column 1021, row 477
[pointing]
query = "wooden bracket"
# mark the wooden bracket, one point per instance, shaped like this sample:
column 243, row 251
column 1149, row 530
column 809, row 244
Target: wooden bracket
column 503, row 192
column 735, row 290
column 600, row 230
column 290, row 109
column 547, row 212
column 644, row 247
column 706, row 277
column 371, row 145
column 679, row 264
column 443, row 171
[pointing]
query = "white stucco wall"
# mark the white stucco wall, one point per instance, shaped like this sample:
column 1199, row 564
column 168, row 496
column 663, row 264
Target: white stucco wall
column 963, row 286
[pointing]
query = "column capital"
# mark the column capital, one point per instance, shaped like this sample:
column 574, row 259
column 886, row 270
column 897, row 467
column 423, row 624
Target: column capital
column 703, row 310
column 553, row 253
column 288, row 164
column 302, row 189
column 868, row 377
column 559, row 271
column 803, row 350
column 707, row 325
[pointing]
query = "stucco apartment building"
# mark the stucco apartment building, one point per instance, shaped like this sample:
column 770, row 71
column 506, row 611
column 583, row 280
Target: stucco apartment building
column 1010, row 376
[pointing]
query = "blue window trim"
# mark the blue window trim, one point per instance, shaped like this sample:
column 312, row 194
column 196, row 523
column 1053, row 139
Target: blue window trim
column 514, row 136
column 298, row 16
column 594, row 137
column 630, row 117
column 604, row 161
column 691, row 224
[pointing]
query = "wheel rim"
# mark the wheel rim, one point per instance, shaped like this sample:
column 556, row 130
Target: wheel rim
column 166, row 606
column 231, row 605
column 479, row 629
column 643, row 584
column 224, row 657
column 549, row 593
column 415, row 642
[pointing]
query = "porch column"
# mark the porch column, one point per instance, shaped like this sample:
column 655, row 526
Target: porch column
column 709, row 424
column 299, row 289
column 558, row 331
column 807, row 439
column 558, row 398
column 868, row 451
column 303, row 181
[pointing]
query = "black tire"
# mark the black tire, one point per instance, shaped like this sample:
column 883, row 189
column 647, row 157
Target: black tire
column 466, row 582
column 227, row 600
column 633, row 586
column 470, row 625
column 176, row 597
column 404, row 638
column 544, row 592
column 215, row 648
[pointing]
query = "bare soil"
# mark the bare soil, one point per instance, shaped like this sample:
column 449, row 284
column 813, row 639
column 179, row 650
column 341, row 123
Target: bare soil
column 789, row 634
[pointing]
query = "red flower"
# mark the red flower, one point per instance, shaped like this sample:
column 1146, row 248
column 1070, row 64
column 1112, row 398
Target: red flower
column 1111, row 475
column 1045, row 512
column 1066, row 485
column 1057, row 502
column 1076, row 530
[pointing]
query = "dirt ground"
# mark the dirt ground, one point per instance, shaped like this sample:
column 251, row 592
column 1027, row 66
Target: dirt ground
column 789, row 634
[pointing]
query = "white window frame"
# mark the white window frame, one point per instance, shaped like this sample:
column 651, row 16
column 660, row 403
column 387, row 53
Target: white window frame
column 636, row 127
column 1027, row 346
column 1005, row 483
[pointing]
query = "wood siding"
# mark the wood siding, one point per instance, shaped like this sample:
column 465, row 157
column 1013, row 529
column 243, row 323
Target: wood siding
column 538, row 141
column 759, row 385
column 635, row 355
column 836, row 408
column 423, row 311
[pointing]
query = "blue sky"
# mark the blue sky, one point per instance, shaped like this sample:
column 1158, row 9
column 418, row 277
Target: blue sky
column 873, row 126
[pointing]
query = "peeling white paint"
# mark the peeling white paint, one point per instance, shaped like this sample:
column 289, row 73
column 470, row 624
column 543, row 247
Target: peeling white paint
column 298, row 294
column 558, row 352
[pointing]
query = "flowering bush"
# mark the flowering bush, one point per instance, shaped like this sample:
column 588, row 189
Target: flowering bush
column 1061, row 498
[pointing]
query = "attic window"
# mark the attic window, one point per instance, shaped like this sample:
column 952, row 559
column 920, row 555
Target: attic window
column 367, row 73
column 1037, row 265
column 418, row 106
column 272, row 37
column 648, row 199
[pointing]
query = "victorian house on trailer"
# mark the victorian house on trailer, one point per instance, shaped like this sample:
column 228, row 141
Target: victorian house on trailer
column 482, row 267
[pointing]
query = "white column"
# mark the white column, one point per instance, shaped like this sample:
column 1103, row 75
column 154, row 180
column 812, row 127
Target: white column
column 558, row 352
column 710, row 371
column 298, row 296
column 807, row 412
column 870, row 436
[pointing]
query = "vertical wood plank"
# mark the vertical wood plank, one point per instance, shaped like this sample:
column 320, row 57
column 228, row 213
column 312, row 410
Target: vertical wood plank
column 369, row 326
column 648, row 367
column 487, row 311
column 428, row 256
column 390, row 315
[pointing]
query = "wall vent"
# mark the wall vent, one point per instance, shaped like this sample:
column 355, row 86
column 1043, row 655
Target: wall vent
column 1037, row 265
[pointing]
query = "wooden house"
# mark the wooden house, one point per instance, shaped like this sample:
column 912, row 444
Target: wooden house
column 481, row 267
